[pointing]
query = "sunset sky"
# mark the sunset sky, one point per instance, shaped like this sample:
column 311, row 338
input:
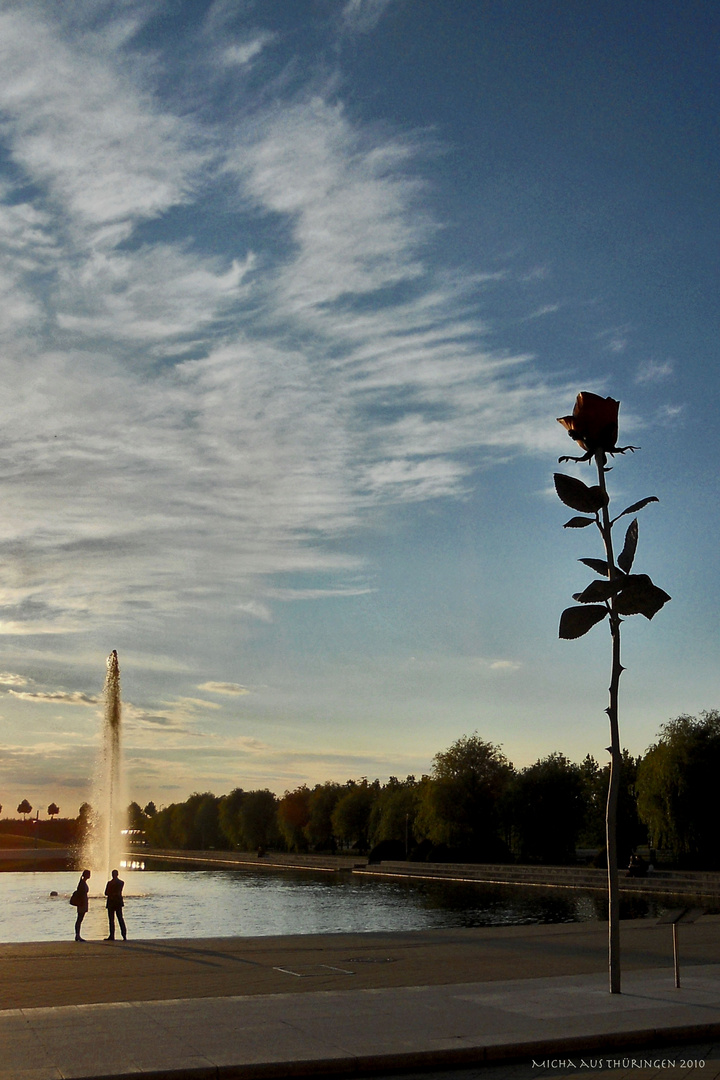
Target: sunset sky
column 291, row 294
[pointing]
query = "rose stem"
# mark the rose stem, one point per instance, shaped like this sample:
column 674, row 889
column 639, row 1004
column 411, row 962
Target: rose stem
column 615, row 753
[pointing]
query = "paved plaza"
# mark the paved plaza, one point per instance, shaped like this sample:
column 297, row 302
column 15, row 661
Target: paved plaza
column 527, row 1000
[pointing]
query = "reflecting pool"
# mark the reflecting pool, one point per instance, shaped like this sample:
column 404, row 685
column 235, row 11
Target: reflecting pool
column 229, row 903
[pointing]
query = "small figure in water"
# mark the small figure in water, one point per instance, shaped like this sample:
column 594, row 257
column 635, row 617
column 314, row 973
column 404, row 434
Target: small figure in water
column 82, row 902
column 113, row 891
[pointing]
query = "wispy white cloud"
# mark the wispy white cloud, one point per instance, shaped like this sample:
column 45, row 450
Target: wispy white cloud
column 156, row 296
column 317, row 594
column 47, row 765
column 545, row 309
column 242, row 53
column 670, row 414
column 256, row 765
column 362, row 16
column 81, row 127
column 505, row 665
column 231, row 689
column 56, row 697
column 615, row 339
column 230, row 352
column 196, row 418
column 652, row 371
column 7, row 678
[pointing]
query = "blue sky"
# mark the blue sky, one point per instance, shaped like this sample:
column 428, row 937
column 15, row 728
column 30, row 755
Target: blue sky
column 291, row 294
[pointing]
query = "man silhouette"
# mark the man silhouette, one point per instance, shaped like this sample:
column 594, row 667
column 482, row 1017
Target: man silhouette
column 113, row 891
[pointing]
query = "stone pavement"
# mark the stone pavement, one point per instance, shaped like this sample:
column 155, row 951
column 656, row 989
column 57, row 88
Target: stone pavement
column 553, row 1021
column 357, row 1013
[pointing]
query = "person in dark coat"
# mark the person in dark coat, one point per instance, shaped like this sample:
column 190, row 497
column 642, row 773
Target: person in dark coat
column 115, row 902
column 82, row 902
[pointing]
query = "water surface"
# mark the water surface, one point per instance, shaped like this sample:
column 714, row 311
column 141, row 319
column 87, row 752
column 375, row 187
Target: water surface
column 229, row 903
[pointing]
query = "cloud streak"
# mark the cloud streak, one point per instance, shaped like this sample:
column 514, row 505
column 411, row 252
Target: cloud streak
column 193, row 420
column 362, row 16
column 654, row 371
column 56, row 697
column 7, row 678
column 224, row 688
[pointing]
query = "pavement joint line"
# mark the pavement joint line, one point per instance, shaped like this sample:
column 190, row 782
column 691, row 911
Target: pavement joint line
column 313, row 970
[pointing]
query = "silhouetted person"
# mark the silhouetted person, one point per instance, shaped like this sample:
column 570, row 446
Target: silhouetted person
column 638, row 867
column 113, row 891
column 82, row 902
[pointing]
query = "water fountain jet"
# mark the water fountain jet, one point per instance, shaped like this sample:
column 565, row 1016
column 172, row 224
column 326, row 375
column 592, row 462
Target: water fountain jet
column 103, row 846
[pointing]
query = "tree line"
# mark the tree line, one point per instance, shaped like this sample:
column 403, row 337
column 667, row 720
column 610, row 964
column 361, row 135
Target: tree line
column 474, row 806
column 26, row 808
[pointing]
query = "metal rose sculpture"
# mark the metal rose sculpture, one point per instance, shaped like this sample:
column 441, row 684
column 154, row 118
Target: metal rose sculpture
column 614, row 595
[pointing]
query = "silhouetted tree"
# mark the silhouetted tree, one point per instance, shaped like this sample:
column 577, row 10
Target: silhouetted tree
column 293, row 815
column 206, row 823
column 158, row 829
column 150, row 810
column 258, row 820
column 53, row 810
column 392, row 819
column 461, row 801
column 135, row 817
column 24, row 808
column 351, row 816
column 676, row 788
column 179, row 824
column 631, row 830
column 548, row 801
column 319, row 829
column 229, row 817
column 193, row 824
column 85, row 819
column 594, row 795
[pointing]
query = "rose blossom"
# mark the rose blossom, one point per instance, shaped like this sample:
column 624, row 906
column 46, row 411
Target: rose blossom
column 594, row 422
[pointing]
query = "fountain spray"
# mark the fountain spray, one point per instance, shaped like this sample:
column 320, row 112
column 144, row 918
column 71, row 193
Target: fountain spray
column 103, row 846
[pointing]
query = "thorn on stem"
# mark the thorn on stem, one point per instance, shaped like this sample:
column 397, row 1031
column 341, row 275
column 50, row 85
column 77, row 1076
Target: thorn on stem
column 569, row 457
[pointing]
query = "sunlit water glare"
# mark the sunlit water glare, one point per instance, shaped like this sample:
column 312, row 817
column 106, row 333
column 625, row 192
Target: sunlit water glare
column 228, row 903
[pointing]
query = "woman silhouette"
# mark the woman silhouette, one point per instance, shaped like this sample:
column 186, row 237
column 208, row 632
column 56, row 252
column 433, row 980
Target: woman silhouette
column 82, row 904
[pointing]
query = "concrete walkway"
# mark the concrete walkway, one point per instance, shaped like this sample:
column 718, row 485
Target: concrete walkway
column 348, row 1032
column 338, row 1005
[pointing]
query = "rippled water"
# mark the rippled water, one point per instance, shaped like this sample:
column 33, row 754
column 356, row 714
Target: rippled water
column 226, row 903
